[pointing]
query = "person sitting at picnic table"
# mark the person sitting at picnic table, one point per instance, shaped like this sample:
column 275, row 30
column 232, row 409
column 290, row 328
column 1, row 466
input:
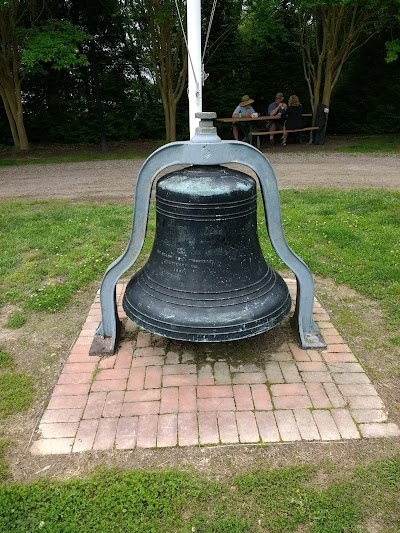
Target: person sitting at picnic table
column 243, row 110
column 275, row 108
column 293, row 116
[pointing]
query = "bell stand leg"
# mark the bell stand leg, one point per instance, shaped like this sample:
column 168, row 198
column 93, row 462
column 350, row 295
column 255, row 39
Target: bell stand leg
column 205, row 148
column 106, row 337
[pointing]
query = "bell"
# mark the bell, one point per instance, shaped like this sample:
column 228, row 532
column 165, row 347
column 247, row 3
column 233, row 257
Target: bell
column 206, row 279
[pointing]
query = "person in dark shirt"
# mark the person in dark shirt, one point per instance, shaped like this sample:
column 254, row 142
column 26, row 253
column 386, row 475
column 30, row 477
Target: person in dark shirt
column 293, row 116
column 275, row 109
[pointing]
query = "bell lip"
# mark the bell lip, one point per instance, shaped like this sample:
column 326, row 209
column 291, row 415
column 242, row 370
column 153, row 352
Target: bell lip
column 213, row 337
column 211, row 332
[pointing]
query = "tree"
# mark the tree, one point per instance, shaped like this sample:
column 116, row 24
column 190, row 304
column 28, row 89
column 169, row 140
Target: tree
column 222, row 56
column 269, row 42
column 393, row 46
column 154, row 26
column 14, row 15
column 330, row 31
column 24, row 46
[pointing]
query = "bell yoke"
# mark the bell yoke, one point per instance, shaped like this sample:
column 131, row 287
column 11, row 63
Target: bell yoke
column 206, row 279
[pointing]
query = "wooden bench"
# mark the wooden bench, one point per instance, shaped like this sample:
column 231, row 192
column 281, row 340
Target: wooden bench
column 265, row 132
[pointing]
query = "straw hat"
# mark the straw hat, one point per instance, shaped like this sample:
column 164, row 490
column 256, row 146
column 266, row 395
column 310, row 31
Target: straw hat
column 246, row 100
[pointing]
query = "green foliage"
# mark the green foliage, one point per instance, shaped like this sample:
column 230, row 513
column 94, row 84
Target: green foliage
column 56, row 43
column 383, row 503
column 253, row 48
column 15, row 320
column 263, row 24
column 285, row 501
column 3, row 465
column 16, row 393
column 393, row 50
column 278, row 501
column 108, row 502
column 6, row 360
column 364, row 100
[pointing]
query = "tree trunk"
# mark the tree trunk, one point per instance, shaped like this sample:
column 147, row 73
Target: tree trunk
column 169, row 105
column 13, row 106
column 11, row 120
column 23, row 138
column 10, row 80
column 161, row 33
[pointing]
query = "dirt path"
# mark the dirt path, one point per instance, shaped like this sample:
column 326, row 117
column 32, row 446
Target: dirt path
column 114, row 180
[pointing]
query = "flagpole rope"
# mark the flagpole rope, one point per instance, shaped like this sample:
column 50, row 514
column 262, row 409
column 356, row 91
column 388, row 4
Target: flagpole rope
column 186, row 42
column 209, row 28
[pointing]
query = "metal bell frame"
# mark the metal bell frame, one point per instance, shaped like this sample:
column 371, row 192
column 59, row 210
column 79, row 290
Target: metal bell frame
column 206, row 148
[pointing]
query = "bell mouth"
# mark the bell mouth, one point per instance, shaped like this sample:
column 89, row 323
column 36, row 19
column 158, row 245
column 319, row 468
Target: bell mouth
column 207, row 318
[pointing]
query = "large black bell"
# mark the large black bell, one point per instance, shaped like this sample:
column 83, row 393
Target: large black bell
column 206, row 279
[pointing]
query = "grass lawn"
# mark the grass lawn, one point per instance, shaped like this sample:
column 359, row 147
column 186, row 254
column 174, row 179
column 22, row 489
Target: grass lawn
column 284, row 500
column 50, row 250
column 384, row 144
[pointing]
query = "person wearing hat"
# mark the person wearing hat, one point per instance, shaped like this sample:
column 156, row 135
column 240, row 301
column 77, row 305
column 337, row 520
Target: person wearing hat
column 244, row 109
column 276, row 107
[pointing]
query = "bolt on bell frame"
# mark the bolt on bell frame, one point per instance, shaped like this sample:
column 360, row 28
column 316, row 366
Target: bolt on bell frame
column 206, row 148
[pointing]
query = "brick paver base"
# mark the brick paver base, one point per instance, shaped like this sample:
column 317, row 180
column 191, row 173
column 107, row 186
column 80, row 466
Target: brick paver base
column 146, row 396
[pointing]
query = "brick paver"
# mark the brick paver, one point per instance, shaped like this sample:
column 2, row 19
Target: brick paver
column 227, row 427
column 147, row 431
column 379, row 430
column 247, row 426
column 273, row 372
column 287, row 426
column 125, row 437
column 145, row 396
column 169, row 400
column 345, row 424
column 85, row 436
column 306, row 424
column 187, row 402
column 208, row 428
column 167, row 432
column 267, row 426
column 105, row 435
column 326, row 425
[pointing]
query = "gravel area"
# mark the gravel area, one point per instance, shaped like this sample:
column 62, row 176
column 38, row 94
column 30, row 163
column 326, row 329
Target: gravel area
column 114, row 180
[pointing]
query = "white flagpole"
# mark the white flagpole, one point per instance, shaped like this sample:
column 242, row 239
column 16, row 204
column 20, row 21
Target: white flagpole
column 194, row 62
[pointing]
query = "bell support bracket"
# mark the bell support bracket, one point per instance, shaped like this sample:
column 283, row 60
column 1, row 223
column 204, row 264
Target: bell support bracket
column 206, row 148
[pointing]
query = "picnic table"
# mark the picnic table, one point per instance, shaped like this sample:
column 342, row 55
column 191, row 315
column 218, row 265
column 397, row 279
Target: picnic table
column 263, row 118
